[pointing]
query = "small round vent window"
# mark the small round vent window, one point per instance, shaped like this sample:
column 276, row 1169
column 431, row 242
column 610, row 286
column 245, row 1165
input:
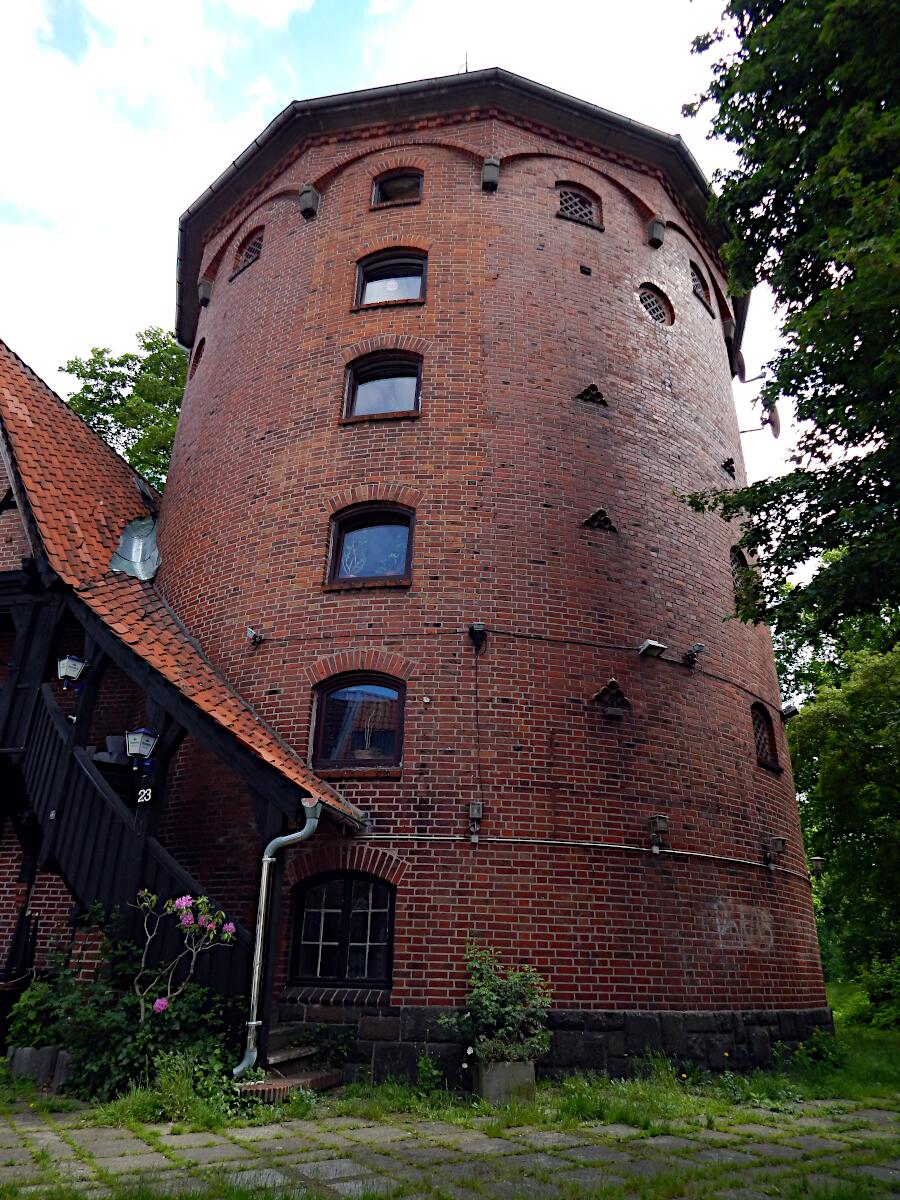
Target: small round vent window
column 655, row 305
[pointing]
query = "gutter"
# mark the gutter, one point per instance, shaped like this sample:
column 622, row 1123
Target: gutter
column 313, row 812
column 493, row 87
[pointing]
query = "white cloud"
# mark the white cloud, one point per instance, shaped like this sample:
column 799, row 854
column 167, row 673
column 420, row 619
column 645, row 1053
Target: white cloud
column 106, row 152
column 274, row 13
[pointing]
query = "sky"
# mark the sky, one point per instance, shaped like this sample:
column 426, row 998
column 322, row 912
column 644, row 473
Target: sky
column 118, row 115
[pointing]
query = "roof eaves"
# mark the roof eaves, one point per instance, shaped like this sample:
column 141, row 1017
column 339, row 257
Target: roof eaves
column 493, row 87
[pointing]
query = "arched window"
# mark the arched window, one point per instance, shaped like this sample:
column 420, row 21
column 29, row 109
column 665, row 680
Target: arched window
column 398, row 187
column 383, row 383
column 372, row 542
column 764, row 736
column 358, row 722
column 248, row 251
column 392, row 276
column 343, row 931
column 655, row 304
column 576, row 204
column 699, row 285
column 195, row 361
column 740, row 570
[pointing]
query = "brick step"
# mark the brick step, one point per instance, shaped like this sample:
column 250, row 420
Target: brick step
column 287, row 1054
column 275, row 1087
column 288, row 1034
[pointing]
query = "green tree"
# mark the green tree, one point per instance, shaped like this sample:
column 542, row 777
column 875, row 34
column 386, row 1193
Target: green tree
column 807, row 92
column 132, row 400
column 845, row 746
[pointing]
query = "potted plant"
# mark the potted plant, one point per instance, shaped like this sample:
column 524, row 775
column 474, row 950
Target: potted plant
column 504, row 1023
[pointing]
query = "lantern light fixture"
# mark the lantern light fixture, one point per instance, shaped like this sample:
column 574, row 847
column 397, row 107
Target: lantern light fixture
column 817, row 865
column 69, row 668
column 140, row 744
column 772, row 845
column 659, row 827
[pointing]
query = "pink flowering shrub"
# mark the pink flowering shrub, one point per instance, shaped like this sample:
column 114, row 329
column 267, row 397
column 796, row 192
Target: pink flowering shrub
column 202, row 930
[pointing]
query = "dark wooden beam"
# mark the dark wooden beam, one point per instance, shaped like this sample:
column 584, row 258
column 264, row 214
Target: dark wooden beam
column 209, row 733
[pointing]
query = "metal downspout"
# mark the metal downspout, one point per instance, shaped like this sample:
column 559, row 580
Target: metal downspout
column 313, row 812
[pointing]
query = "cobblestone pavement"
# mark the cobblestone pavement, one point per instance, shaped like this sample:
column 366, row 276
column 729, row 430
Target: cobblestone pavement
column 823, row 1147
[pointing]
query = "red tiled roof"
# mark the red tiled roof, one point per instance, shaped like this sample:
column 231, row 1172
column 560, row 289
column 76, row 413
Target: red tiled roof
column 82, row 495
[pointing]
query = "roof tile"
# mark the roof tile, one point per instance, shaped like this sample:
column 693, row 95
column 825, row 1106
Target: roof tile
column 82, row 494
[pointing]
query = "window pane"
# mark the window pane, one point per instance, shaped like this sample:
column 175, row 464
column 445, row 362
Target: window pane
column 331, row 926
column 356, row 962
column 315, row 897
column 398, row 188
column 362, row 890
column 312, row 923
column 406, row 284
column 309, row 961
column 378, row 967
column 381, row 896
column 373, row 551
column 328, row 964
column 359, row 722
column 390, row 393
column 334, row 893
column 378, row 927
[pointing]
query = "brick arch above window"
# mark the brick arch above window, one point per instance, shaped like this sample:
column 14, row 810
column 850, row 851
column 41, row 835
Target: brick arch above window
column 374, row 493
column 399, row 152
column 383, row 343
column 304, row 863
column 381, row 662
column 641, row 207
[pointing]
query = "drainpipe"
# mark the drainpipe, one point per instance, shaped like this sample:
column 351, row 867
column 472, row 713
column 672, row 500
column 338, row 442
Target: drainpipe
column 313, row 811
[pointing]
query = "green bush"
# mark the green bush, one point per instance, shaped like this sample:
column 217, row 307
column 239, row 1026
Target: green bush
column 505, row 1017
column 881, row 984
column 99, row 1021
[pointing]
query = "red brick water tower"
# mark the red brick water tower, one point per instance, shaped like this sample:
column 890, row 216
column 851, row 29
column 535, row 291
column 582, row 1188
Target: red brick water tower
column 457, row 348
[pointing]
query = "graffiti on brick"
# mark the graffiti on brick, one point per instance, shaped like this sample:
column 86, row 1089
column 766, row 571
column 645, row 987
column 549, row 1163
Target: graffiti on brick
column 741, row 926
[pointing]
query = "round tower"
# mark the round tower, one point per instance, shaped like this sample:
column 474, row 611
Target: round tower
column 459, row 348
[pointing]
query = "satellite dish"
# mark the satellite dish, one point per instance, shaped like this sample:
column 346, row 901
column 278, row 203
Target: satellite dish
column 773, row 420
column 740, row 367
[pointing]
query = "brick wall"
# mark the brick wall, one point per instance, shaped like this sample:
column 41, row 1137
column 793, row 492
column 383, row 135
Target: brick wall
column 506, row 465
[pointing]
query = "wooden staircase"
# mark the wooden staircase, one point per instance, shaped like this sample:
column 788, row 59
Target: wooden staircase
column 99, row 846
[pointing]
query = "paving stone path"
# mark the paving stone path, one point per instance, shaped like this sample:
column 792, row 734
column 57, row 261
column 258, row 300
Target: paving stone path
column 820, row 1147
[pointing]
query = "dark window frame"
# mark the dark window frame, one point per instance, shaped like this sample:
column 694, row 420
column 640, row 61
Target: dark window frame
column 241, row 262
column 355, row 518
column 383, row 259
column 381, row 361
column 596, row 220
column 763, row 724
column 702, row 292
column 299, row 911
column 665, row 303
column 335, row 683
column 740, row 569
column 378, row 201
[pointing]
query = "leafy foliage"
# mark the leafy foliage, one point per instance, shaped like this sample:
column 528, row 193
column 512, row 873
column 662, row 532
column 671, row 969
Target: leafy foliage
column 132, row 400
column 881, row 985
column 808, row 97
column 845, row 746
column 505, row 1016
column 101, row 1021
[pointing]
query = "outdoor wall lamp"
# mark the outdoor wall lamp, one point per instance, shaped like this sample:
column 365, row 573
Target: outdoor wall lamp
column 139, row 745
column 478, row 636
column 691, row 657
column 651, row 649
column 817, row 866
column 659, row 827
column 772, row 845
column 789, row 712
column 69, row 668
